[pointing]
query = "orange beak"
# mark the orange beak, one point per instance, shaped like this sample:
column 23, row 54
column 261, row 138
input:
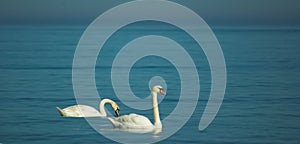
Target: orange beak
column 161, row 91
column 117, row 112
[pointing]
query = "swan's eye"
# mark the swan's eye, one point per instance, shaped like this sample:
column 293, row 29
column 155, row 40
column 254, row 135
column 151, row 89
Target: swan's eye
column 161, row 89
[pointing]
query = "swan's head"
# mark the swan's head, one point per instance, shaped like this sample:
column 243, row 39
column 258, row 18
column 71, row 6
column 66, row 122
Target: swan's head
column 116, row 109
column 159, row 89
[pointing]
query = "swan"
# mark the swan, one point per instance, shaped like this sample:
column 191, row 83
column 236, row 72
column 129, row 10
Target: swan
column 137, row 122
column 87, row 111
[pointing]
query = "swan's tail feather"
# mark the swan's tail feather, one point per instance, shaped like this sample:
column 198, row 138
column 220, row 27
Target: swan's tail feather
column 61, row 112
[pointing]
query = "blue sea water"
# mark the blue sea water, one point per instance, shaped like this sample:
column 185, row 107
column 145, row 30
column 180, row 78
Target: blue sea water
column 261, row 104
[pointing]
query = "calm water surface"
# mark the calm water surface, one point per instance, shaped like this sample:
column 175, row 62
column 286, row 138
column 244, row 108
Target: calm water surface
column 261, row 105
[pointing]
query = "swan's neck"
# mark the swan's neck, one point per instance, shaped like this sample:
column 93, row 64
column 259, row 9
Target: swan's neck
column 101, row 106
column 157, row 122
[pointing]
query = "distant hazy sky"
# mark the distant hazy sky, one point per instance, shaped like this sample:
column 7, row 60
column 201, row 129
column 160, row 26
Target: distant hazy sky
column 216, row 12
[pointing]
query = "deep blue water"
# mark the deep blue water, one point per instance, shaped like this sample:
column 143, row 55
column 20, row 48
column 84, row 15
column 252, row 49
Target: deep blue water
column 261, row 104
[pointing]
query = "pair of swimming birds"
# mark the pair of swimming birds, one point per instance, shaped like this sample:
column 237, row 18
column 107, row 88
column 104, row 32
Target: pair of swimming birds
column 131, row 121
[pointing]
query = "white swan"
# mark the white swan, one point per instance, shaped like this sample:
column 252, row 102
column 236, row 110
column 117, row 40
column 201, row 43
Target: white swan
column 137, row 122
column 87, row 111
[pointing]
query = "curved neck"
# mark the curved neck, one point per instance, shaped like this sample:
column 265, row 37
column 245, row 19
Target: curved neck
column 157, row 121
column 101, row 106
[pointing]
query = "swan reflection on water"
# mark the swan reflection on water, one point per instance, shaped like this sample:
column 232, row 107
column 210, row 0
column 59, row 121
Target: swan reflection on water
column 129, row 135
column 141, row 131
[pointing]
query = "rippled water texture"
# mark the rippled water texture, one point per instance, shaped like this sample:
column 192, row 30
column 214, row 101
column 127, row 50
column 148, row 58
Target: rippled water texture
column 261, row 104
